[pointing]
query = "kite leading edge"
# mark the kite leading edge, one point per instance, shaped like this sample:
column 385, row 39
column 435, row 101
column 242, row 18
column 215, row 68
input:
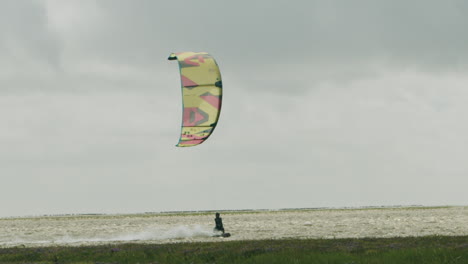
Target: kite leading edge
column 201, row 96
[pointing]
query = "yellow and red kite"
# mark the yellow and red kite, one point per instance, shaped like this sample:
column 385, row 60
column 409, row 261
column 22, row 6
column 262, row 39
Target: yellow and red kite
column 202, row 95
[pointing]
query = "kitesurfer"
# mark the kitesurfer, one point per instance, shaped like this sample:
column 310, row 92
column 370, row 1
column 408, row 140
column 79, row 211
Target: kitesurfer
column 219, row 224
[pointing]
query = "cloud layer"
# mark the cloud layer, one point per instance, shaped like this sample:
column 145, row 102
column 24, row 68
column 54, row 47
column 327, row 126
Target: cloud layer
column 326, row 103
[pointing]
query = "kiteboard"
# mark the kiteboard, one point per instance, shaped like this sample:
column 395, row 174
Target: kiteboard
column 222, row 235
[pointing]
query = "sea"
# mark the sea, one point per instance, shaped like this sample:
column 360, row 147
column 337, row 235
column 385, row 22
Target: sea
column 179, row 227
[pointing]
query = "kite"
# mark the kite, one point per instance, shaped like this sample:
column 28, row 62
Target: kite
column 201, row 96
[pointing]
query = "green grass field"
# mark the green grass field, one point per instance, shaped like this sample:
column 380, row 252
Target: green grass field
column 433, row 249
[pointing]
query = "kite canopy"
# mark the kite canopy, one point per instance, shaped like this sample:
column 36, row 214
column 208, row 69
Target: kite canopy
column 201, row 96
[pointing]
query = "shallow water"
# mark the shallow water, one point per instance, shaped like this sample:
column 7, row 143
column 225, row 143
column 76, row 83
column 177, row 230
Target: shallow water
column 189, row 227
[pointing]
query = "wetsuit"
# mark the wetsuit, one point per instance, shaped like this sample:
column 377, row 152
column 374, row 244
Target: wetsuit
column 219, row 224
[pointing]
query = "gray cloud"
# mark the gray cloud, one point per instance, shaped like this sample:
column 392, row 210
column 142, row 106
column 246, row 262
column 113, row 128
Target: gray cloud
column 299, row 32
column 324, row 40
column 25, row 39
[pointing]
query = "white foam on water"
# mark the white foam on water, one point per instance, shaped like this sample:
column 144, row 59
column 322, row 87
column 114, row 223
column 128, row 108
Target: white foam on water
column 178, row 232
column 175, row 233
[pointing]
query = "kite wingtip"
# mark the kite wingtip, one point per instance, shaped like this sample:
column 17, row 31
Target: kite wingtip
column 173, row 56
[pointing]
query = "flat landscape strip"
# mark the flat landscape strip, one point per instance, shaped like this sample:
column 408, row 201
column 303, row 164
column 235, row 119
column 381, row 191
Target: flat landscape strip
column 429, row 249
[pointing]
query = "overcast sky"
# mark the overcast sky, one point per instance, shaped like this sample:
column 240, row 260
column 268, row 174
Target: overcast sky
column 326, row 104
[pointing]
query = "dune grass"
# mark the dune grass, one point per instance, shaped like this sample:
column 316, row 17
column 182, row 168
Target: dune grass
column 431, row 249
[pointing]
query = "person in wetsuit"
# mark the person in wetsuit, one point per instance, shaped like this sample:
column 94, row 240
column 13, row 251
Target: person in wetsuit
column 219, row 223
